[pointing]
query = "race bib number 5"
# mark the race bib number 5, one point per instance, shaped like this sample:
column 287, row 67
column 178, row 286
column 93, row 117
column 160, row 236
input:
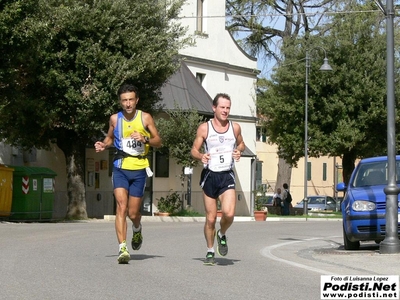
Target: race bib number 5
column 221, row 159
column 132, row 146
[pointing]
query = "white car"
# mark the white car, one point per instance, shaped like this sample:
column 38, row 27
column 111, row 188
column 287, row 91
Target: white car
column 319, row 203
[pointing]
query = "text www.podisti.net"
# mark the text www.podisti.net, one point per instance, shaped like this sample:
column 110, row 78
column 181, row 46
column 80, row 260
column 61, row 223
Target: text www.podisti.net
column 360, row 287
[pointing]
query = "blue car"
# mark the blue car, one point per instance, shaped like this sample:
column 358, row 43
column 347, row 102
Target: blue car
column 364, row 204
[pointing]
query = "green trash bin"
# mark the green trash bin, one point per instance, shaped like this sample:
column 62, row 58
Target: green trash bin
column 33, row 193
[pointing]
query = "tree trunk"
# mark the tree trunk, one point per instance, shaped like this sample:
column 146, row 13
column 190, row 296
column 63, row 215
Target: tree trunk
column 74, row 152
column 348, row 165
column 76, row 192
column 284, row 174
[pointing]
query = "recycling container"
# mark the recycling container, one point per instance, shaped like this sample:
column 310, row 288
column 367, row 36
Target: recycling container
column 33, row 193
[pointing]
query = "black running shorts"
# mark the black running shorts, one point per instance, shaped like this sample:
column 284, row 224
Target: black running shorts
column 216, row 183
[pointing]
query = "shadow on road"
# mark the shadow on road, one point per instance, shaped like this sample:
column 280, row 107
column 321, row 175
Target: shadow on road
column 221, row 261
column 139, row 256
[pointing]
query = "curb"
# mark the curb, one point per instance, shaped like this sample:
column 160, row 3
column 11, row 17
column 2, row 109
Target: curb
column 177, row 219
column 237, row 219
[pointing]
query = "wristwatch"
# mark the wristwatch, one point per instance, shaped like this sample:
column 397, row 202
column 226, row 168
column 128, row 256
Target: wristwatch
column 146, row 139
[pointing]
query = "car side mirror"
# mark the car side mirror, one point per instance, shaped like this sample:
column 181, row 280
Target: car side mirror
column 340, row 187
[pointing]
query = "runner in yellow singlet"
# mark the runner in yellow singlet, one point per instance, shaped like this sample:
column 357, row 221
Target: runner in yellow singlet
column 132, row 132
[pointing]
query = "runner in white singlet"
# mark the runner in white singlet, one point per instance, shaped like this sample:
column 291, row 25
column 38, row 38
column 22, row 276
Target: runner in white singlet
column 223, row 145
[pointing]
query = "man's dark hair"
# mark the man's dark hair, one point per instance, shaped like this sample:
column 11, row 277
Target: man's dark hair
column 223, row 95
column 285, row 186
column 128, row 88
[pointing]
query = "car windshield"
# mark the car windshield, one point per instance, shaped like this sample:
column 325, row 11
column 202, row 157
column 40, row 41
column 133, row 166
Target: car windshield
column 265, row 199
column 374, row 173
column 316, row 200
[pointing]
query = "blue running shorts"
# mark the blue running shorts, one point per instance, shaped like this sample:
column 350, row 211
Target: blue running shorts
column 216, row 183
column 134, row 181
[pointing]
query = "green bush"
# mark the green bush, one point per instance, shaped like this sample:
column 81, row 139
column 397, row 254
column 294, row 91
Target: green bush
column 258, row 203
column 169, row 204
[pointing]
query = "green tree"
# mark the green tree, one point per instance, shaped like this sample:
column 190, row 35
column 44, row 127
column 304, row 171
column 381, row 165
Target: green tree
column 346, row 107
column 263, row 27
column 178, row 130
column 64, row 62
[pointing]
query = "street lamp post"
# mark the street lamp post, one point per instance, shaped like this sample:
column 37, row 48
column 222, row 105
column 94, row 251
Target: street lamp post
column 391, row 243
column 324, row 67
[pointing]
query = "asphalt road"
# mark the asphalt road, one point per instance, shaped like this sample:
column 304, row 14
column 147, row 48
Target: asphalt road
column 266, row 260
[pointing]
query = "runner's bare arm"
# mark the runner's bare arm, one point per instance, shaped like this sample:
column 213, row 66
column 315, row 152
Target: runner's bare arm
column 155, row 139
column 109, row 139
column 198, row 143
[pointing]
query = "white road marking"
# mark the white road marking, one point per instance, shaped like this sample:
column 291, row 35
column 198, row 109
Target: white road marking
column 267, row 252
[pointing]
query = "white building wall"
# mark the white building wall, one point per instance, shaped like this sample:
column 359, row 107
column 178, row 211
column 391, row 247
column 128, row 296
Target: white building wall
column 216, row 43
column 227, row 70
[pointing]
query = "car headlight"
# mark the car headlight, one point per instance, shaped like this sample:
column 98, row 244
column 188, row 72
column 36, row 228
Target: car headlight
column 362, row 205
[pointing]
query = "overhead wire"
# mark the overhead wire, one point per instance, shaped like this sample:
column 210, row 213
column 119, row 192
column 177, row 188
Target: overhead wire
column 284, row 15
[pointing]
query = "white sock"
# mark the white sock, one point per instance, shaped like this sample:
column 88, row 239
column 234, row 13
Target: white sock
column 122, row 245
column 211, row 250
column 220, row 234
column 134, row 229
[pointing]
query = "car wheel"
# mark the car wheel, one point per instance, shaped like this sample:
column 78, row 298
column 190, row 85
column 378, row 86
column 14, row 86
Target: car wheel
column 349, row 245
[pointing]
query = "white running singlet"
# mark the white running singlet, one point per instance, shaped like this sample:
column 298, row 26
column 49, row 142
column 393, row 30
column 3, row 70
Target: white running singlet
column 220, row 146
